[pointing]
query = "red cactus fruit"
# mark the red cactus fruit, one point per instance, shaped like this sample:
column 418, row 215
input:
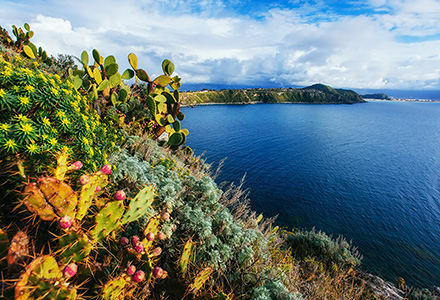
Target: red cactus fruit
column 119, row 195
column 76, row 165
column 139, row 247
column 83, row 179
column 161, row 236
column 134, row 240
column 106, row 169
column 124, row 241
column 157, row 272
column 70, row 270
column 150, row 236
column 98, row 189
column 165, row 216
column 139, row 276
column 157, row 251
column 131, row 270
column 65, row 222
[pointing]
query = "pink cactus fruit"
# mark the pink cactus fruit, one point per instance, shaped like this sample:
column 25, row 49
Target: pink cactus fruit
column 157, row 251
column 98, row 189
column 134, row 240
column 157, row 272
column 106, row 169
column 161, row 236
column 83, row 179
column 150, row 236
column 165, row 216
column 76, row 165
column 65, row 222
column 124, row 241
column 119, row 195
column 139, row 276
column 139, row 247
column 70, row 270
column 131, row 270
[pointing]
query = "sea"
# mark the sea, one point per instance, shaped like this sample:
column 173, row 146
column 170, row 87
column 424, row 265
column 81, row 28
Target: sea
column 369, row 172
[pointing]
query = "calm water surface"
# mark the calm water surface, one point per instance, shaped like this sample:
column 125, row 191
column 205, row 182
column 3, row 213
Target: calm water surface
column 370, row 172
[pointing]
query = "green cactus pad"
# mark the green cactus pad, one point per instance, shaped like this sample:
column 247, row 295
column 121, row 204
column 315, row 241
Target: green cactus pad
column 143, row 75
column 180, row 116
column 114, row 288
column 151, row 105
column 36, row 202
column 132, row 59
column 160, row 98
column 88, row 193
column 115, row 80
column 153, row 227
column 97, row 76
column 85, row 58
column 162, row 107
column 162, row 80
column 103, row 85
column 176, row 95
column 109, row 60
column 139, row 205
column 200, row 280
column 28, row 51
column 187, row 254
column 108, row 219
column 170, row 119
column 33, row 279
column 176, row 139
column 170, row 97
column 111, row 69
column 62, row 167
column 97, row 57
column 160, row 120
column 168, row 67
column 176, row 126
column 74, row 247
column 128, row 74
column 123, row 94
column 59, row 194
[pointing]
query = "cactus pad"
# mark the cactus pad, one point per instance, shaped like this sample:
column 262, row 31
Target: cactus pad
column 75, row 247
column 59, row 194
column 18, row 249
column 185, row 258
column 153, row 227
column 108, row 219
column 114, row 288
column 36, row 202
column 139, row 205
column 88, row 192
column 200, row 280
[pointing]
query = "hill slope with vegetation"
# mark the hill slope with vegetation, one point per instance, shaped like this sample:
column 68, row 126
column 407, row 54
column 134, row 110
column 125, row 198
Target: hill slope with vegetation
column 317, row 93
column 94, row 207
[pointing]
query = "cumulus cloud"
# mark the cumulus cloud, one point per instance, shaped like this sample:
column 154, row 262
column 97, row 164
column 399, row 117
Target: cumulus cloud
column 215, row 42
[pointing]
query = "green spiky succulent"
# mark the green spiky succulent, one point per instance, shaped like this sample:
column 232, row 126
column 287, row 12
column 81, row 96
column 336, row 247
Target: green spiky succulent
column 42, row 115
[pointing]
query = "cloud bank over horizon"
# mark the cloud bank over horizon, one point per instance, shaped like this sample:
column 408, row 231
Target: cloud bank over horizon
column 374, row 44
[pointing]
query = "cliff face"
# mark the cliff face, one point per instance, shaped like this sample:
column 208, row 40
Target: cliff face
column 317, row 93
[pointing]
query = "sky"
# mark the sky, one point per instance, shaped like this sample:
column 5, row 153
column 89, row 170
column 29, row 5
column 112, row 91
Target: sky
column 372, row 44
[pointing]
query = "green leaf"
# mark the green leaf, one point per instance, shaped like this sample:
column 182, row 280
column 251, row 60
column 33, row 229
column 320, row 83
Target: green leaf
column 111, row 69
column 160, row 120
column 167, row 67
column 180, row 116
column 85, row 58
column 162, row 80
column 28, row 51
column 128, row 74
column 115, row 80
column 132, row 59
column 170, row 119
column 103, row 85
column 96, row 56
column 142, row 75
column 109, row 60
column 176, row 126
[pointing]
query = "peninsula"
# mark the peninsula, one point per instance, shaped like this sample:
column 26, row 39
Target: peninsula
column 317, row 93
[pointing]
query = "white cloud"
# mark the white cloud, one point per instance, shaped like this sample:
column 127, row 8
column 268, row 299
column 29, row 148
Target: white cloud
column 210, row 44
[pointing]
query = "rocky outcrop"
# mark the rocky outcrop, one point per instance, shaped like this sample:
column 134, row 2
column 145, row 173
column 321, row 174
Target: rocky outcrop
column 384, row 289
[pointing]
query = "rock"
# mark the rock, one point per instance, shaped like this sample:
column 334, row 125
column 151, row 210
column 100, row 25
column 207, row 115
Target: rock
column 384, row 289
column 163, row 137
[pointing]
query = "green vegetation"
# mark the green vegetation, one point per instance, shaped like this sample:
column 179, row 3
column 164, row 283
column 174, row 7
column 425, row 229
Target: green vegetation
column 379, row 96
column 93, row 207
column 317, row 93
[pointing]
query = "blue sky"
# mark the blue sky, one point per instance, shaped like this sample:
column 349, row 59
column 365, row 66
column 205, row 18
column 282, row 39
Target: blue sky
column 376, row 44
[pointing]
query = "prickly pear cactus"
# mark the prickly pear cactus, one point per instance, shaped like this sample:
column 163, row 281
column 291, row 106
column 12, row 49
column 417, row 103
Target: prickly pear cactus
column 74, row 247
column 139, row 205
column 107, row 220
column 114, row 288
column 200, row 280
column 185, row 258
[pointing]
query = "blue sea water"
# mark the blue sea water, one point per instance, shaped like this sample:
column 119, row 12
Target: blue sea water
column 370, row 172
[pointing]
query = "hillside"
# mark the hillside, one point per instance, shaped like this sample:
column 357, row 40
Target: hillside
column 317, row 93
